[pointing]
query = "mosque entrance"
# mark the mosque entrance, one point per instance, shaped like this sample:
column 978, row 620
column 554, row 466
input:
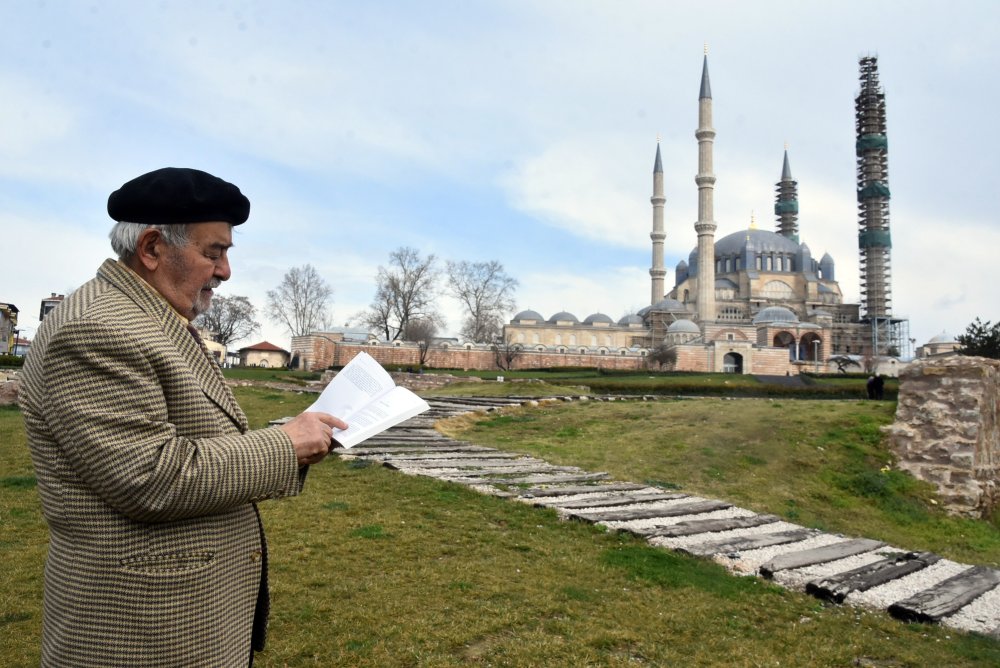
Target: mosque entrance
column 809, row 347
column 732, row 363
column 786, row 340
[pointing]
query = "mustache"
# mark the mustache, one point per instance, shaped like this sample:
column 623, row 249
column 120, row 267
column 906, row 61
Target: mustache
column 213, row 284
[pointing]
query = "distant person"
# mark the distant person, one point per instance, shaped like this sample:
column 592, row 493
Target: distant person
column 147, row 470
column 870, row 386
column 879, row 384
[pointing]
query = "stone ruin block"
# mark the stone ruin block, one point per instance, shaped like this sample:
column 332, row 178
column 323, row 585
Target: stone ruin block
column 947, row 429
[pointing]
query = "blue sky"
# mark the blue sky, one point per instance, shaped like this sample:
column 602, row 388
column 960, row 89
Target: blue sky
column 517, row 131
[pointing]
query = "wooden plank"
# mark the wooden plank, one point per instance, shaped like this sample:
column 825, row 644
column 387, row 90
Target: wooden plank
column 487, row 471
column 485, row 464
column 694, row 527
column 744, row 543
column 837, row 587
column 570, row 490
column 693, row 508
column 531, row 479
column 618, row 500
column 474, row 466
column 427, row 456
column 819, row 555
column 947, row 597
column 362, row 451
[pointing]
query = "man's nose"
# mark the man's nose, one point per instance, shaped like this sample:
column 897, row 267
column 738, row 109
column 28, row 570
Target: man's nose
column 222, row 269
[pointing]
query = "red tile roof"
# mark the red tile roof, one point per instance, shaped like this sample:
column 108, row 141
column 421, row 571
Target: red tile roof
column 265, row 346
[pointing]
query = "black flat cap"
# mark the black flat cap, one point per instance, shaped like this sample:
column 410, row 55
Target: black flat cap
column 177, row 195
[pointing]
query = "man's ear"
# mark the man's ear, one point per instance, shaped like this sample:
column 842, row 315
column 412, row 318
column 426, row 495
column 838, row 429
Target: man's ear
column 149, row 249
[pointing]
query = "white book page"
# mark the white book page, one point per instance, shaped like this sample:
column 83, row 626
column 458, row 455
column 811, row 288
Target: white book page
column 364, row 396
column 388, row 410
column 358, row 383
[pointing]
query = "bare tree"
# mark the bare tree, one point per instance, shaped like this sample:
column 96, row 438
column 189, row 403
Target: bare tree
column 663, row 355
column 405, row 291
column 486, row 292
column 505, row 352
column 229, row 319
column 843, row 362
column 301, row 301
column 422, row 332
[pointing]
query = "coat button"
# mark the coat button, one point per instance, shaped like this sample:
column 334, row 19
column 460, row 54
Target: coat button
column 255, row 555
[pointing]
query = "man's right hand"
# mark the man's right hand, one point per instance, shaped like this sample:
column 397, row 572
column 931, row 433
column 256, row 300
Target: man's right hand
column 312, row 435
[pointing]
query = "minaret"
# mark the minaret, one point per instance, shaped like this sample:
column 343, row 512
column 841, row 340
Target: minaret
column 705, row 227
column 874, row 241
column 657, row 271
column 786, row 204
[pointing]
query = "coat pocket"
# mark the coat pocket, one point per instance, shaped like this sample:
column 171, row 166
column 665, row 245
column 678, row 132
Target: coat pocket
column 176, row 562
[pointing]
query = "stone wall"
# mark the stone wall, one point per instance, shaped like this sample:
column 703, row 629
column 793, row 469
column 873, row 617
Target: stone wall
column 407, row 355
column 946, row 429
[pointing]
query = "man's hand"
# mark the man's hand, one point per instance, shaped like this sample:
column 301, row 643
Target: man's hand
column 312, row 435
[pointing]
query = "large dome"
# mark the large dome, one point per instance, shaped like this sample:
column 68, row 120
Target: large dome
column 775, row 314
column 762, row 240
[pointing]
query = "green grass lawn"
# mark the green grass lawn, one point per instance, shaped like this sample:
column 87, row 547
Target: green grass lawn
column 371, row 567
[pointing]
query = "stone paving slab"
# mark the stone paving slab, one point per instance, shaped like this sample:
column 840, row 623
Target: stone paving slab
column 854, row 571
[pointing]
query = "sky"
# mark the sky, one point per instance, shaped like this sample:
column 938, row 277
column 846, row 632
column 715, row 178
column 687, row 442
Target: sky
column 521, row 131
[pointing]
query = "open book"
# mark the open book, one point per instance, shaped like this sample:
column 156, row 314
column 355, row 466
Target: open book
column 364, row 396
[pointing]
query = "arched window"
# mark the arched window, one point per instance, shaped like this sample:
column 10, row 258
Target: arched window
column 777, row 291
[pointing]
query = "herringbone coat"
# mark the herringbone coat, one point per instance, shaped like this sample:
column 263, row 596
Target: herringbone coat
column 148, row 476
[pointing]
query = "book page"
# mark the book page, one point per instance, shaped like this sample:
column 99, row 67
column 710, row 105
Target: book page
column 390, row 409
column 364, row 396
column 358, row 383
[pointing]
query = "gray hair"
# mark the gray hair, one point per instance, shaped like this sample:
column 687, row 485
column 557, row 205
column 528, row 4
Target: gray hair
column 124, row 237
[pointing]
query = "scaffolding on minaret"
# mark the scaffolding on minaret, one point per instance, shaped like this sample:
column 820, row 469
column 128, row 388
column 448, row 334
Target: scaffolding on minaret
column 786, row 203
column 874, row 240
column 887, row 334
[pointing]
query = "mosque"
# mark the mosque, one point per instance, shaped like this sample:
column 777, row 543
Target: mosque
column 754, row 301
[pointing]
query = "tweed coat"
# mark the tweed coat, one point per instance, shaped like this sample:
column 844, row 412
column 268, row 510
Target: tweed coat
column 148, row 478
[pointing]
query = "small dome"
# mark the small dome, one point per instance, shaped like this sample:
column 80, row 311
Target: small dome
column 942, row 338
column 528, row 315
column 683, row 327
column 630, row 319
column 682, row 265
column 725, row 283
column 597, row 317
column 775, row 314
column 564, row 316
column 668, row 305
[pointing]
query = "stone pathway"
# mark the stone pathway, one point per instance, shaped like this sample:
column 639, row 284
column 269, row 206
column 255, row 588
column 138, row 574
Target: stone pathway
column 855, row 571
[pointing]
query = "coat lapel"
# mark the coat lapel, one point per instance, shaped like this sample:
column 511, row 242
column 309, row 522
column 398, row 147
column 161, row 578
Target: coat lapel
column 203, row 367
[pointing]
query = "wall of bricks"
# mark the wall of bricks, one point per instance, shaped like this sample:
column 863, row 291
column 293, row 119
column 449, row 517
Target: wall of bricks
column 946, row 429
column 317, row 353
column 392, row 357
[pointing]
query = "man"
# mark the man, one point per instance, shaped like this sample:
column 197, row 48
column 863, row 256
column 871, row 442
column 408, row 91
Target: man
column 147, row 471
